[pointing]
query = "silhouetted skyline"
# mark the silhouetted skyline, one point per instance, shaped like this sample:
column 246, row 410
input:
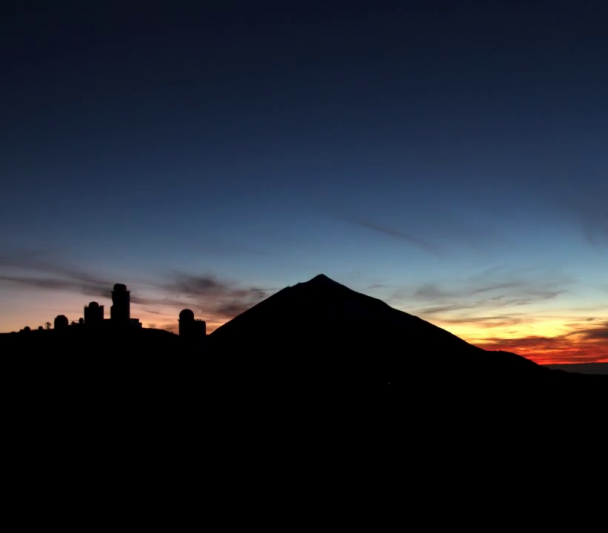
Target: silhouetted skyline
column 358, row 341
column 447, row 158
column 94, row 327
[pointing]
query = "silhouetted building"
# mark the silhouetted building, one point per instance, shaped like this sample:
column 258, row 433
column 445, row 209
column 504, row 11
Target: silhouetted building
column 120, row 312
column 186, row 318
column 61, row 321
column 192, row 333
column 93, row 314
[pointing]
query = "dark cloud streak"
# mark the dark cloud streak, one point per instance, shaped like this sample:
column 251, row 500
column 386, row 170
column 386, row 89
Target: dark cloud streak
column 90, row 289
column 502, row 289
column 395, row 233
column 213, row 295
column 51, row 276
column 516, row 288
column 204, row 293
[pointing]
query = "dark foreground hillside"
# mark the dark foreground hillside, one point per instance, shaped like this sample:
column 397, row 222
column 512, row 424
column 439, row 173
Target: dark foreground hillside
column 132, row 416
column 315, row 357
column 78, row 370
column 313, row 339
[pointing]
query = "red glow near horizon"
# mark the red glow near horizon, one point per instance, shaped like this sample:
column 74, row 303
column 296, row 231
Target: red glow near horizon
column 552, row 350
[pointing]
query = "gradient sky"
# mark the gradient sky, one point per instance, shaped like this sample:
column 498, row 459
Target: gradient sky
column 450, row 158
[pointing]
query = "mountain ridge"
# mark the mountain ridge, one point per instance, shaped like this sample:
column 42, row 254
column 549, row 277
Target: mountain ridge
column 338, row 328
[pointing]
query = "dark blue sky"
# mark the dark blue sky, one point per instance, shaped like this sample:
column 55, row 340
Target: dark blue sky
column 391, row 145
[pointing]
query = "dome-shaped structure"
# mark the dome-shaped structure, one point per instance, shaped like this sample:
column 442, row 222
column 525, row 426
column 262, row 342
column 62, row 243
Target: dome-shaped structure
column 192, row 333
column 61, row 321
column 186, row 314
column 93, row 314
column 119, row 287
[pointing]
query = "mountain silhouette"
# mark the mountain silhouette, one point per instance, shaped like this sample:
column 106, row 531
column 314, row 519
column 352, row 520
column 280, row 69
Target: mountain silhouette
column 322, row 330
column 309, row 360
column 319, row 335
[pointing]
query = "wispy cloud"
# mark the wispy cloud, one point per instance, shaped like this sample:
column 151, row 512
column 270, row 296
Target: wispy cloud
column 502, row 302
column 498, row 287
column 487, row 322
column 598, row 332
column 395, row 233
column 210, row 245
column 90, row 289
column 212, row 298
column 213, row 295
column 587, row 208
column 448, row 229
column 51, row 276
column 498, row 302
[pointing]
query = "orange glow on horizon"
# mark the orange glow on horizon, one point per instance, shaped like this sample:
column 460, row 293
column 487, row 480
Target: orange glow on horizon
column 544, row 340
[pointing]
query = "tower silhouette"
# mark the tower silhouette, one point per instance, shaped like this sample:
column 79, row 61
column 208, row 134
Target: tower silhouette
column 120, row 312
column 192, row 333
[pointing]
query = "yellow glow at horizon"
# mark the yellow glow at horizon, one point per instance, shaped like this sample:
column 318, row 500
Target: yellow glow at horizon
column 548, row 327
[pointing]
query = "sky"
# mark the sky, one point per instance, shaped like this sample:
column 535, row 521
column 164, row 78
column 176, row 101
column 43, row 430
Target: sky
column 450, row 158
